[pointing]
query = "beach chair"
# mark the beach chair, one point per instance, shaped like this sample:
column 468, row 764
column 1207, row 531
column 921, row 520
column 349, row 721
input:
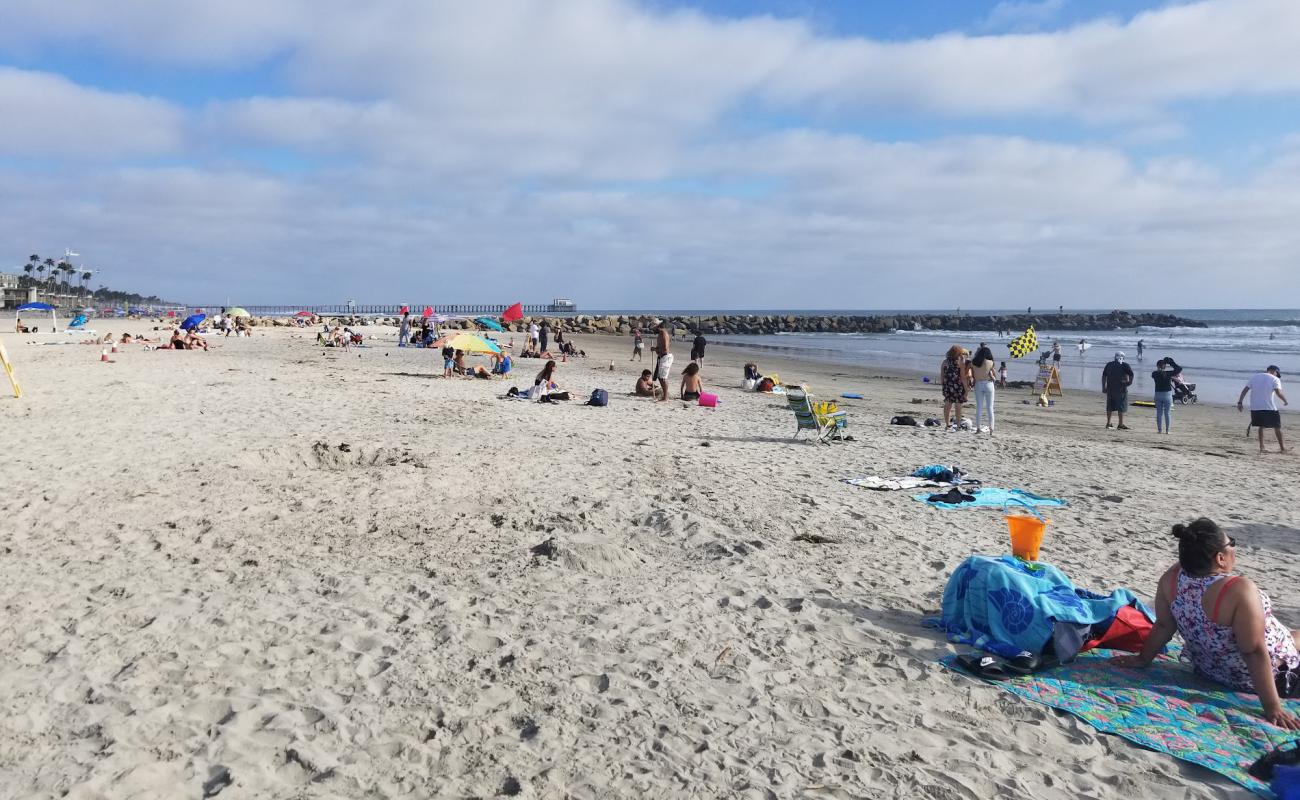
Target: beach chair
column 827, row 422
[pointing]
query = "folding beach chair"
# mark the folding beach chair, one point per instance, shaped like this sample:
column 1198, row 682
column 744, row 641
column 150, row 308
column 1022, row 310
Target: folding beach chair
column 824, row 419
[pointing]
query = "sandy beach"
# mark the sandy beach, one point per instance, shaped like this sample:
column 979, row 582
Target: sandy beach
column 275, row 570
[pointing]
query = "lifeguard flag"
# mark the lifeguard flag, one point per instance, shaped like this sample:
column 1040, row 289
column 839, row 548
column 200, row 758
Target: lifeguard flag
column 1024, row 344
column 406, row 309
column 428, row 311
column 513, row 313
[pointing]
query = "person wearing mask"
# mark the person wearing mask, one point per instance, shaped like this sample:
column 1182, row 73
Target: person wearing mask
column 1263, row 388
column 1116, row 377
column 1163, row 380
column 1226, row 621
column 984, row 377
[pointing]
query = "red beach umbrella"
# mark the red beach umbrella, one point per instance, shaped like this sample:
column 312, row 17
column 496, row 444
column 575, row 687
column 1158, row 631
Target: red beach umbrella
column 428, row 311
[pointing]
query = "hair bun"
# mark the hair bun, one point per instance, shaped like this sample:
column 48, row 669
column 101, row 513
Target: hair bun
column 1181, row 532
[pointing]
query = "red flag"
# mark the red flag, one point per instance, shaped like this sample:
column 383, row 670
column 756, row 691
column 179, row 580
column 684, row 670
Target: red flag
column 513, row 313
column 428, row 311
column 406, row 309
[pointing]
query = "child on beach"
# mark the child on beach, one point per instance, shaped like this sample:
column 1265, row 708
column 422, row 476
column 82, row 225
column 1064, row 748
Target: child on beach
column 645, row 385
column 691, row 383
column 448, row 361
column 638, row 345
column 1002, row 374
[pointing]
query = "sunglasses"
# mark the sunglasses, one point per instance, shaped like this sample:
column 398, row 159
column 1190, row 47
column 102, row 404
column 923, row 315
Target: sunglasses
column 1232, row 542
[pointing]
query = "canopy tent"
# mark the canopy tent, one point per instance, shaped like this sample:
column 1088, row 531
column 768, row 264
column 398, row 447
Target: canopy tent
column 54, row 318
column 468, row 343
column 237, row 312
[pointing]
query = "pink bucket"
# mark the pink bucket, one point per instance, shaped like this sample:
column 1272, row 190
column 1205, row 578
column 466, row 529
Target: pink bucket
column 708, row 400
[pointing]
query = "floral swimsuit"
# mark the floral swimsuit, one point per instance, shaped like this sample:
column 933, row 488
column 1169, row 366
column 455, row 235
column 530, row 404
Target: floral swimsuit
column 1213, row 647
column 954, row 388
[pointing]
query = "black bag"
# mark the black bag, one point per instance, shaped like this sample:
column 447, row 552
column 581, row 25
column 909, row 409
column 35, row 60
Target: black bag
column 904, row 421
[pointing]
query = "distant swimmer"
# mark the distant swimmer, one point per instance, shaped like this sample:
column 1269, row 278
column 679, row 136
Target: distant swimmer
column 1141, row 347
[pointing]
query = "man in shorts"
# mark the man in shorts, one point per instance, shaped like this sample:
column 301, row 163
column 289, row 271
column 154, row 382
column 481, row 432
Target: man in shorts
column 1115, row 379
column 1263, row 388
column 664, row 364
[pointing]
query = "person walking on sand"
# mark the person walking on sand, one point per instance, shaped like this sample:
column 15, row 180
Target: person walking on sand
column 543, row 333
column 984, row 377
column 664, row 362
column 953, row 381
column 638, row 345
column 1141, row 347
column 404, row 330
column 1056, row 354
column 1116, row 377
column 697, row 348
column 533, row 333
column 1263, row 388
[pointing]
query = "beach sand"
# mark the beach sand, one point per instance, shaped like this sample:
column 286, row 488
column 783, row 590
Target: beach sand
column 277, row 570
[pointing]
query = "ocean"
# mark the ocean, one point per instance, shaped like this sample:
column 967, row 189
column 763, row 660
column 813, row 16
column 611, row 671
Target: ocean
column 1218, row 359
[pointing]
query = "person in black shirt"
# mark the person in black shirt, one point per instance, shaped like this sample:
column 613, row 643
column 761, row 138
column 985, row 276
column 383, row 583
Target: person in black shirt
column 697, row 348
column 1115, row 379
column 1163, row 379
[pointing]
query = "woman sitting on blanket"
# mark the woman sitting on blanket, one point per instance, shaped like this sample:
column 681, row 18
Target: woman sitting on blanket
column 1226, row 622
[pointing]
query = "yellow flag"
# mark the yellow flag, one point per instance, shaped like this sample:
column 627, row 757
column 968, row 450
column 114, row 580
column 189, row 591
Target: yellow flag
column 1024, row 344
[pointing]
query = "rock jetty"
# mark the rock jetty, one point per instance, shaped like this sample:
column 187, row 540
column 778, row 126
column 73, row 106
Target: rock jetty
column 721, row 324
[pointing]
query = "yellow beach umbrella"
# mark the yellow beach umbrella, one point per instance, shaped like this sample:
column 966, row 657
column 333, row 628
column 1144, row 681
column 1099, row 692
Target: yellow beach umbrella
column 468, row 343
column 238, row 312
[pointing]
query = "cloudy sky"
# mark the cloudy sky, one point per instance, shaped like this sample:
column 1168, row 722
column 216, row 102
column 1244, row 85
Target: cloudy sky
column 712, row 154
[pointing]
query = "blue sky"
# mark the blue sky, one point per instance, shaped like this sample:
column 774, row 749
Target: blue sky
column 681, row 154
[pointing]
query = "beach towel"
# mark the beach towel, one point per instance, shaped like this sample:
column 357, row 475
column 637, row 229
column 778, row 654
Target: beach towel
column 1008, row 607
column 900, row 482
column 1165, row 707
column 990, row 497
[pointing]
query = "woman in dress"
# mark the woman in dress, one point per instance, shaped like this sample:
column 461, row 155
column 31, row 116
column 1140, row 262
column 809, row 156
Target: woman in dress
column 954, row 378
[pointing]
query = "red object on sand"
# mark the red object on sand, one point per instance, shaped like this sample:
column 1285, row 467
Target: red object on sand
column 171, row 313
column 515, row 312
column 1128, row 631
column 428, row 311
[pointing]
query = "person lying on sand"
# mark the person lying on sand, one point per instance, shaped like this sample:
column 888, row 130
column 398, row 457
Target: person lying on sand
column 645, row 385
column 1226, row 622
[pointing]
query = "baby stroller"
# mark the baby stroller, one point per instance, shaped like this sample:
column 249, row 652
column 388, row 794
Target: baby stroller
column 1184, row 392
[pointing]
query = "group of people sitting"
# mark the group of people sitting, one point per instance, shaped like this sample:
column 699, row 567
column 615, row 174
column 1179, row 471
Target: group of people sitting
column 339, row 336
column 692, row 386
column 453, row 363
column 566, row 349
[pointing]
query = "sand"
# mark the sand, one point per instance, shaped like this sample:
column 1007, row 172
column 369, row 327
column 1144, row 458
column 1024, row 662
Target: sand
column 274, row 570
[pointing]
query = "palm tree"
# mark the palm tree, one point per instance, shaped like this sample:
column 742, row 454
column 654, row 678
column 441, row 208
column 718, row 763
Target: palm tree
column 49, row 264
column 85, row 282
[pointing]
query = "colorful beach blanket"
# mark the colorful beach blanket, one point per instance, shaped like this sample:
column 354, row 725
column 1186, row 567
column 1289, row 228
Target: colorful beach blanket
column 1165, row 707
column 901, row 483
column 1008, row 607
column 990, row 497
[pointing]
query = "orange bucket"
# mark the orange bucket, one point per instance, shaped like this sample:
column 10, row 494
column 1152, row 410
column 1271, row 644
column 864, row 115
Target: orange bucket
column 1026, row 532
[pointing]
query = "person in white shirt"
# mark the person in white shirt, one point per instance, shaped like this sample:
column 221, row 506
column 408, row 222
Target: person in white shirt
column 533, row 334
column 1263, row 388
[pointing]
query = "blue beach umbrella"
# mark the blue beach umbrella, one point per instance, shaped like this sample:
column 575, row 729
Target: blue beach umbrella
column 192, row 321
column 489, row 323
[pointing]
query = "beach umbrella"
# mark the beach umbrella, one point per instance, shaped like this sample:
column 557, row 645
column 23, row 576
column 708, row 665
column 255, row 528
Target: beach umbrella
column 192, row 321
column 428, row 312
column 489, row 323
column 468, row 343
column 237, row 312
column 305, row 314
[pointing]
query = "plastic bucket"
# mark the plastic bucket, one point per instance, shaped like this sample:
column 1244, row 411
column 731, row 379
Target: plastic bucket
column 708, row 400
column 1026, row 532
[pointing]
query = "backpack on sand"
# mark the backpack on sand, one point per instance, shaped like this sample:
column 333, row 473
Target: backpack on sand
column 599, row 397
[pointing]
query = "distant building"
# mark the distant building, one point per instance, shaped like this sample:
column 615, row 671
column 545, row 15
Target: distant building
column 11, row 296
column 563, row 305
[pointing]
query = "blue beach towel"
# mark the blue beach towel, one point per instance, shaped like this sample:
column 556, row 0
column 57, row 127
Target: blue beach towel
column 990, row 497
column 1006, row 606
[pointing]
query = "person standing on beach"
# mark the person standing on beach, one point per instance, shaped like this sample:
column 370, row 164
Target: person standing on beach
column 1163, row 380
column 953, row 380
column 1141, row 347
column 404, row 330
column 533, row 333
column 984, row 377
column 1263, row 408
column 664, row 362
column 1116, row 377
column 697, row 348
column 638, row 345
column 559, row 338
column 543, row 333
column 1056, row 354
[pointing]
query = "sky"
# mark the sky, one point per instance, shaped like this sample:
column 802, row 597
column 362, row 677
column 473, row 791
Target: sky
column 660, row 153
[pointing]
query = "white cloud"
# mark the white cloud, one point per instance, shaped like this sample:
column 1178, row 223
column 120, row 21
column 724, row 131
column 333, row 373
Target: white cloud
column 1022, row 15
column 49, row 116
